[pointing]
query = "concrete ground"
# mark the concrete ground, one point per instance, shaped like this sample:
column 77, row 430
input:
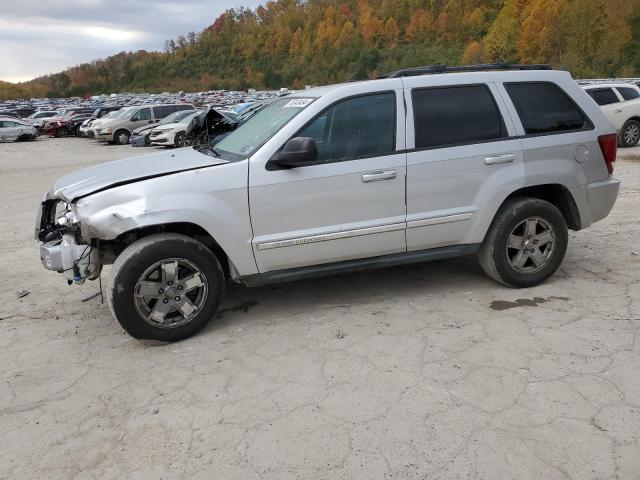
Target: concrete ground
column 430, row 371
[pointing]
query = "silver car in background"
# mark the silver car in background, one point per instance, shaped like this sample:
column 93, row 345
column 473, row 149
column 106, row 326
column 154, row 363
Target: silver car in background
column 14, row 130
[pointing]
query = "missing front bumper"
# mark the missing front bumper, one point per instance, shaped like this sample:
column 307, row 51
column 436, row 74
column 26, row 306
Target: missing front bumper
column 77, row 262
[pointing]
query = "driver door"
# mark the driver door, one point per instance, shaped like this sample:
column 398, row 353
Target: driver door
column 350, row 204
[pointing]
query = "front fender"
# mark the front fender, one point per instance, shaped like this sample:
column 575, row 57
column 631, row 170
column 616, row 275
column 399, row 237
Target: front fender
column 214, row 199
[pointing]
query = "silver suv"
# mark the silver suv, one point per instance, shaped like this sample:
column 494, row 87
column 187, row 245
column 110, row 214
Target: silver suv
column 497, row 161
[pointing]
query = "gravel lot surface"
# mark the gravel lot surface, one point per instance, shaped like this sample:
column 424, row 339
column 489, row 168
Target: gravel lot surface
column 423, row 372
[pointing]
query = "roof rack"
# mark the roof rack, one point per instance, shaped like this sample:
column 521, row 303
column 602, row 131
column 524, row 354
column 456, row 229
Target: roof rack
column 438, row 68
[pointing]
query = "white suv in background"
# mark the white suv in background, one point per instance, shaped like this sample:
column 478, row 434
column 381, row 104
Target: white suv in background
column 424, row 164
column 620, row 102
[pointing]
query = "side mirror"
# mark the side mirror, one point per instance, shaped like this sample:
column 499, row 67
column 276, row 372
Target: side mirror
column 297, row 152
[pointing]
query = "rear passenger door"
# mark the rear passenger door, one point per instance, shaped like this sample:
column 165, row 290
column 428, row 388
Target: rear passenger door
column 461, row 161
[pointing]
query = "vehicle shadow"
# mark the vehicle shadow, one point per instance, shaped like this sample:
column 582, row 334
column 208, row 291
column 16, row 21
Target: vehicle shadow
column 398, row 284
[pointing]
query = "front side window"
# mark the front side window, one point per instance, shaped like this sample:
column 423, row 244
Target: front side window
column 355, row 128
column 251, row 135
column 455, row 115
column 603, row 96
column 545, row 109
column 628, row 93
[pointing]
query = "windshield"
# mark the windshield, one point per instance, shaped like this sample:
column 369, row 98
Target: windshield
column 127, row 112
column 261, row 127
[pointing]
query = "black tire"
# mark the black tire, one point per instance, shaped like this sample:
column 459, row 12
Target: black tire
column 62, row 133
column 494, row 256
column 181, row 140
column 121, row 137
column 629, row 134
column 137, row 258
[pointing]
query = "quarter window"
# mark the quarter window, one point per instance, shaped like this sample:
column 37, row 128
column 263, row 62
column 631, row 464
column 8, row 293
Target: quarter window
column 544, row 108
column 603, row 96
column 354, row 128
column 455, row 115
column 629, row 93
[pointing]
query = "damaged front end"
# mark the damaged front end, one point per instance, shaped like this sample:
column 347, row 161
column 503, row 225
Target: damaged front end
column 62, row 249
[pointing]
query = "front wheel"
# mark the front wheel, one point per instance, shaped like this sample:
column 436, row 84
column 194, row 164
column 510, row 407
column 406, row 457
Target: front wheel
column 165, row 287
column 62, row 133
column 181, row 140
column 526, row 243
column 630, row 134
column 121, row 137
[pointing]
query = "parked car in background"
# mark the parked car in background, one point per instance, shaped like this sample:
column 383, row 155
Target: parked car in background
column 78, row 119
column 57, row 127
column 14, row 130
column 118, row 130
column 172, row 134
column 620, row 102
column 140, row 137
column 425, row 164
column 93, row 125
column 38, row 118
column 20, row 112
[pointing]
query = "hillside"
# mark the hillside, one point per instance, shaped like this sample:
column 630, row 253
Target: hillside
column 293, row 43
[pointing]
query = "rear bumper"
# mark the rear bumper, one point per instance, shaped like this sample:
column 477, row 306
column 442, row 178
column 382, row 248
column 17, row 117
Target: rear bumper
column 601, row 197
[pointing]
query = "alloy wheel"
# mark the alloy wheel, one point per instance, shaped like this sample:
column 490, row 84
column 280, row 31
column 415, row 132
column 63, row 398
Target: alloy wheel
column 632, row 134
column 170, row 293
column 530, row 245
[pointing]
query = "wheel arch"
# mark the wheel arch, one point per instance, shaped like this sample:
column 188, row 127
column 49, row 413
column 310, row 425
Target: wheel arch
column 556, row 194
column 189, row 229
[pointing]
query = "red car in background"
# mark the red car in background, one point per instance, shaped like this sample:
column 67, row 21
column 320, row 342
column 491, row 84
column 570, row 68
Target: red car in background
column 56, row 127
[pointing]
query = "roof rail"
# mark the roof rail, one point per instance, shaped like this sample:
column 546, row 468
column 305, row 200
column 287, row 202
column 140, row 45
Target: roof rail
column 438, row 68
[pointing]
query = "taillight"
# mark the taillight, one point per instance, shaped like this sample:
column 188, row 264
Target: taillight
column 609, row 147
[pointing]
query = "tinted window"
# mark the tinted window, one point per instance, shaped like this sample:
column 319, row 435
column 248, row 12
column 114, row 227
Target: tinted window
column 455, row 115
column 164, row 110
column 628, row 93
column 356, row 127
column 544, row 108
column 603, row 96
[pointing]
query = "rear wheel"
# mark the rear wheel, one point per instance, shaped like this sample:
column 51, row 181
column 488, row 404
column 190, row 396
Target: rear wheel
column 525, row 244
column 165, row 287
column 121, row 137
column 630, row 134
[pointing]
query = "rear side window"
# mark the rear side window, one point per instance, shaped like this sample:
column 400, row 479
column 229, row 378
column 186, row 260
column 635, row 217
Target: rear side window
column 354, row 128
column 455, row 115
column 628, row 93
column 545, row 108
column 603, row 96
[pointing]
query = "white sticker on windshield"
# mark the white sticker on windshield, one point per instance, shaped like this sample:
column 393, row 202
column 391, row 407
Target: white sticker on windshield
column 298, row 103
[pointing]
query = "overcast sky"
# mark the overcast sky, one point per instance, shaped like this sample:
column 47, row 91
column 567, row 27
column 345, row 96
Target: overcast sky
column 46, row 36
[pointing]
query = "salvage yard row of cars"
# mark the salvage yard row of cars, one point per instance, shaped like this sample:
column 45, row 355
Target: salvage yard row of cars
column 179, row 120
column 163, row 120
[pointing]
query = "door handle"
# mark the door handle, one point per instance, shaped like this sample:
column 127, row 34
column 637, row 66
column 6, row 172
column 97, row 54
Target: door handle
column 379, row 176
column 498, row 159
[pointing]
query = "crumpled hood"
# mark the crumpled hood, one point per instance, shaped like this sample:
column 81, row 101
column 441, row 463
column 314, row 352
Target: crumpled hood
column 120, row 172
